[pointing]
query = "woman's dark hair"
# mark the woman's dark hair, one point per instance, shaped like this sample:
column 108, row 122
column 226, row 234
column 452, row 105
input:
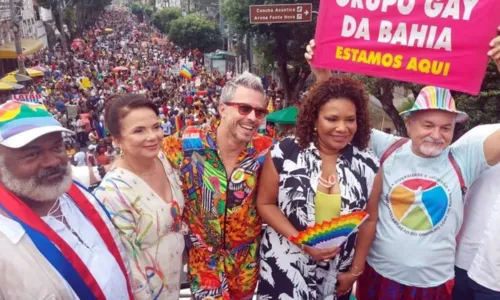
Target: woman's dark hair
column 119, row 106
column 319, row 94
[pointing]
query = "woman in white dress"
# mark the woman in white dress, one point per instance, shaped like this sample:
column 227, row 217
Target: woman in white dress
column 144, row 197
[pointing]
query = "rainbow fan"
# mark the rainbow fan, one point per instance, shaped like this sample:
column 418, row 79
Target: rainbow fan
column 331, row 233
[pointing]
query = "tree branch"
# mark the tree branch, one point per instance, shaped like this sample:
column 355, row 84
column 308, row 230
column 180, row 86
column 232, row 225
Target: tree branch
column 68, row 4
column 386, row 98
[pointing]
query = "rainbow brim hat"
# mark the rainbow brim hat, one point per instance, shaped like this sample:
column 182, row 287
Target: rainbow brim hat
column 435, row 98
column 22, row 122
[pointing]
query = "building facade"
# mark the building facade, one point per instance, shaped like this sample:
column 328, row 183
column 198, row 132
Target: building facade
column 32, row 26
column 32, row 32
column 6, row 34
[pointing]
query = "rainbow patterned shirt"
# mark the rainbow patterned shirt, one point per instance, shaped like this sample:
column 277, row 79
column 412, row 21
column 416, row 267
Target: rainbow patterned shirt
column 220, row 210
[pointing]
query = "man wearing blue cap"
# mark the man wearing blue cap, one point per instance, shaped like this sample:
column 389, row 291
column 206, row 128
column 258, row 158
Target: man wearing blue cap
column 422, row 202
column 57, row 241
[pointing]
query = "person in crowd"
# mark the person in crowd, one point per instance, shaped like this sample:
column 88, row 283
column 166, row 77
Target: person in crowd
column 70, row 151
column 167, row 127
column 93, row 137
column 86, row 121
column 144, row 196
column 79, row 158
column 477, row 264
column 110, row 152
column 57, row 241
column 270, row 130
column 90, row 157
column 220, row 177
column 80, row 131
column 102, row 158
column 324, row 172
column 422, row 208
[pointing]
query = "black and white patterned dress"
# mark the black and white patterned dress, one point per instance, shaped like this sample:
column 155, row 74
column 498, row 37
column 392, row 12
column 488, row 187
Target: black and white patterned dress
column 285, row 271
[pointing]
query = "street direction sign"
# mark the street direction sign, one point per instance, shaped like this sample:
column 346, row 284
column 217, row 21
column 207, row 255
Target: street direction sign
column 281, row 13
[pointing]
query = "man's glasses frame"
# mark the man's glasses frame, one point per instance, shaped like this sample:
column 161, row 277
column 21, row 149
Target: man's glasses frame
column 245, row 109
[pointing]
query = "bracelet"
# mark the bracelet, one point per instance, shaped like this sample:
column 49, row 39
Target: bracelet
column 356, row 274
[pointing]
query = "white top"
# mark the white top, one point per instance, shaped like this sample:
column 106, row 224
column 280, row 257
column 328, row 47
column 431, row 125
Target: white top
column 167, row 127
column 80, row 159
column 421, row 211
column 79, row 124
column 82, row 175
column 478, row 249
column 93, row 251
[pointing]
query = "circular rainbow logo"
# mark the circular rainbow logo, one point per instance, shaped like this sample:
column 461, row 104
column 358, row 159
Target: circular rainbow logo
column 419, row 204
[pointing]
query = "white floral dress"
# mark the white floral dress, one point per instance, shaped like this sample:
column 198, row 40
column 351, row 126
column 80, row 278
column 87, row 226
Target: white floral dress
column 150, row 229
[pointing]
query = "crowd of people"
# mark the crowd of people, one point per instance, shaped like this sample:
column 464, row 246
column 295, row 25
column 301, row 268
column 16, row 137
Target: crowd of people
column 185, row 178
column 120, row 55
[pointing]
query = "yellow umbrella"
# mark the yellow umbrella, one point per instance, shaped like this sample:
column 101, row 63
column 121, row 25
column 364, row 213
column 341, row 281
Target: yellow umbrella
column 4, row 86
column 31, row 72
column 108, row 30
column 15, row 78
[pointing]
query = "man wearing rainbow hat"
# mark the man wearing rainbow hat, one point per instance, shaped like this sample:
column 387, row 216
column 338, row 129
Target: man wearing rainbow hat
column 56, row 241
column 422, row 203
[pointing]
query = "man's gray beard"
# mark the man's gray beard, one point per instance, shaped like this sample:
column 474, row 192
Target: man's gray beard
column 29, row 188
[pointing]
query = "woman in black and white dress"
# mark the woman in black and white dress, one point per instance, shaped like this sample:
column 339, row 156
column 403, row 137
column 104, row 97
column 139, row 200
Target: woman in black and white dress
column 325, row 172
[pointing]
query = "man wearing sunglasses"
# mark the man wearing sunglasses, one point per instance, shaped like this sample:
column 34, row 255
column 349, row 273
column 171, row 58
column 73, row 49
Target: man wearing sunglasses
column 219, row 170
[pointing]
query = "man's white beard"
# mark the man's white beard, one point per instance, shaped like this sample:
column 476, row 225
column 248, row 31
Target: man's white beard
column 30, row 189
column 431, row 151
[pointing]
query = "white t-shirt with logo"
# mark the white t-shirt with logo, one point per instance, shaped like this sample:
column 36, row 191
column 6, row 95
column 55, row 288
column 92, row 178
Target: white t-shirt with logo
column 421, row 211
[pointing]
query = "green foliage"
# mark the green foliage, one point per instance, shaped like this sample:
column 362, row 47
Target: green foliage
column 148, row 11
column 163, row 18
column 236, row 13
column 136, row 8
column 406, row 105
column 70, row 18
column 284, row 42
column 295, row 36
column 265, row 50
column 195, row 31
column 484, row 108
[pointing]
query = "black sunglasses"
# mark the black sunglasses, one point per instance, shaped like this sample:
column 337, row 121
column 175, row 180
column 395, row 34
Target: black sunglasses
column 245, row 109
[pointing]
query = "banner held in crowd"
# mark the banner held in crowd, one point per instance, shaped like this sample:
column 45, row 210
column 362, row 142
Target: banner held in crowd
column 431, row 42
column 32, row 97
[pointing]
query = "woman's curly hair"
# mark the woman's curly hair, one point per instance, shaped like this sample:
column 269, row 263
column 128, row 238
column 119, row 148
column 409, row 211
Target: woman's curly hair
column 336, row 87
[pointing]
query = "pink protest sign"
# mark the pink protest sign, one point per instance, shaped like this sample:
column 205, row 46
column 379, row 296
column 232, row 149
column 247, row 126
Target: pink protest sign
column 433, row 42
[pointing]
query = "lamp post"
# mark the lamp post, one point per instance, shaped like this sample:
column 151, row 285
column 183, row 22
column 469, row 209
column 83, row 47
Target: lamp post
column 221, row 22
column 15, row 15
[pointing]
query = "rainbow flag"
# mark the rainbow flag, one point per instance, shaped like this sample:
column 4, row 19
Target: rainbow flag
column 186, row 73
column 331, row 233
